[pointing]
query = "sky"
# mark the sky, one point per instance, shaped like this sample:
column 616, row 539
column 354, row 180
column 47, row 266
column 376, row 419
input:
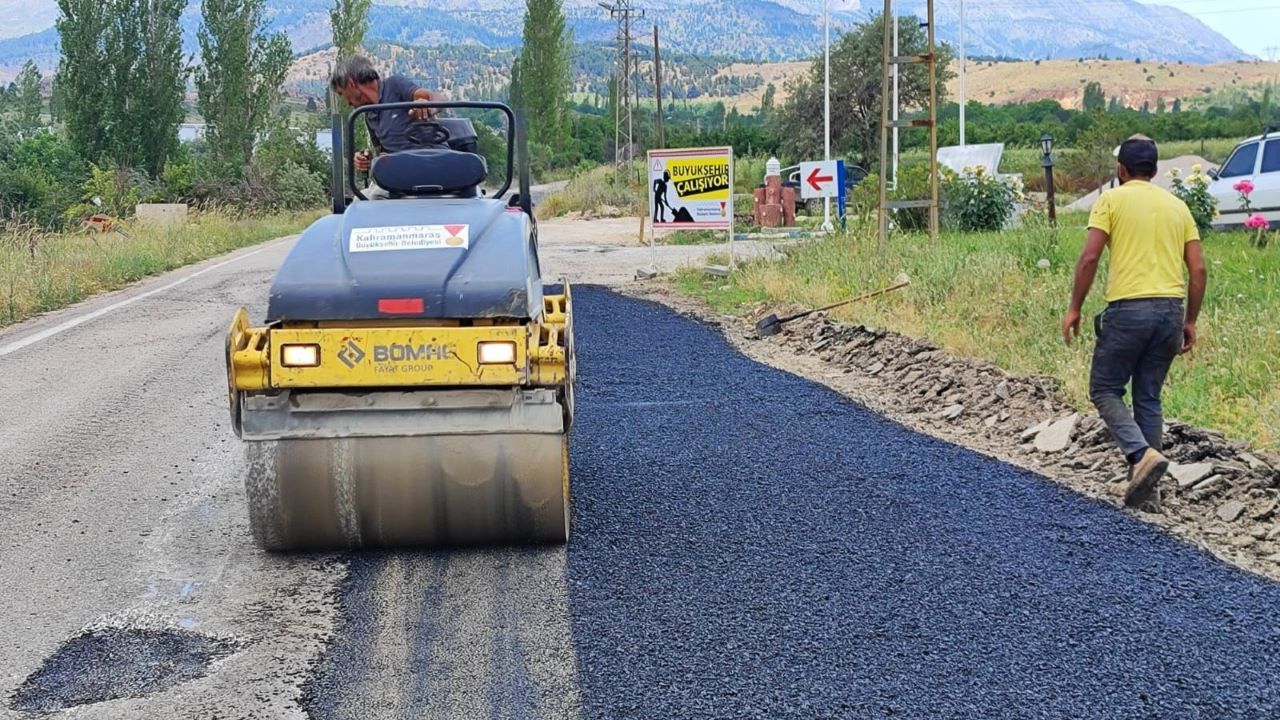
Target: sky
column 1253, row 25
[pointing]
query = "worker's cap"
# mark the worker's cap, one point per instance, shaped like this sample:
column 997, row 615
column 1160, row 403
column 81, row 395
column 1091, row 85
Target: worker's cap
column 1139, row 155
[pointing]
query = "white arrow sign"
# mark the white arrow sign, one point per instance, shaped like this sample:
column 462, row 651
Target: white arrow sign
column 819, row 180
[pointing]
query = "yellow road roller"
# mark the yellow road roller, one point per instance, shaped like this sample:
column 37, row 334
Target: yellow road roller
column 412, row 384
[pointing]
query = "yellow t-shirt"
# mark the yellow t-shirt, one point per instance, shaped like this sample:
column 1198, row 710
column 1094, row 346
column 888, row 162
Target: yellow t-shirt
column 1149, row 228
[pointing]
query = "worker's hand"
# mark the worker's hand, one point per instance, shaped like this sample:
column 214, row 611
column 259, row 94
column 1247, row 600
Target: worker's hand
column 422, row 113
column 1071, row 326
column 1188, row 337
column 362, row 161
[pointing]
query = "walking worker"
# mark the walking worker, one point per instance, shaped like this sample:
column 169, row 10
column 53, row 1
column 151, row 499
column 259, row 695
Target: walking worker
column 1152, row 239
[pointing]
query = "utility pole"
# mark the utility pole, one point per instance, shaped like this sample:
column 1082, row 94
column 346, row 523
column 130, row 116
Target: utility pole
column 826, row 119
column 895, row 117
column 657, row 82
column 963, row 99
column 622, row 11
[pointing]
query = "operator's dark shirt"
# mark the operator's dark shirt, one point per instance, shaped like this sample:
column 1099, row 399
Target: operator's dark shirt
column 390, row 128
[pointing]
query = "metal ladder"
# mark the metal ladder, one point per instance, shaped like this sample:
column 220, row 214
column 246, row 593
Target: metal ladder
column 930, row 58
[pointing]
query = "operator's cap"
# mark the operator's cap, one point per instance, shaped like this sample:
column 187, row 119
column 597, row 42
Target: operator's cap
column 1139, row 154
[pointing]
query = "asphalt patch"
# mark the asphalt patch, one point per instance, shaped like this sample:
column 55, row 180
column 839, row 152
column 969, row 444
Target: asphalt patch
column 750, row 544
column 114, row 663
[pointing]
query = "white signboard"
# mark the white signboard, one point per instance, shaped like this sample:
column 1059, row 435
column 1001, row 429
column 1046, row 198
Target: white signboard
column 956, row 158
column 820, row 179
column 410, row 237
column 691, row 188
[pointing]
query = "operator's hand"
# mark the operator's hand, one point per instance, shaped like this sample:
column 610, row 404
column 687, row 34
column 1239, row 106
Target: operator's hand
column 1188, row 337
column 1070, row 326
column 363, row 161
column 423, row 113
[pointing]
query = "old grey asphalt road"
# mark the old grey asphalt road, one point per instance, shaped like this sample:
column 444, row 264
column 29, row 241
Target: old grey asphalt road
column 125, row 527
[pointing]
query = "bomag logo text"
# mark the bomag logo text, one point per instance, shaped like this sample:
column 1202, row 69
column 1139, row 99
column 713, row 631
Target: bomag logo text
column 407, row 353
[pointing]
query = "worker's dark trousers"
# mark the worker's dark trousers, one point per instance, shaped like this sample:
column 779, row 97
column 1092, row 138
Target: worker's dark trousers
column 1137, row 342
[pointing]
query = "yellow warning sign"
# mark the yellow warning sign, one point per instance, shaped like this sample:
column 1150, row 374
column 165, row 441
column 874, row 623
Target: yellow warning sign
column 703, row 179
column 691, row 187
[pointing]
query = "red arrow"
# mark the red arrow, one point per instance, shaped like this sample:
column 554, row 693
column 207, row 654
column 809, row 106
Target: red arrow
column 814, row 179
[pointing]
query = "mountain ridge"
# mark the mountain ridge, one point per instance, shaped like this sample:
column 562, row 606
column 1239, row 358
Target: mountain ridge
column 754, row 30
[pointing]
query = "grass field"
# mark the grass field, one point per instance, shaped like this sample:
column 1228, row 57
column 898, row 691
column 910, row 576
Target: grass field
column 40, row 272
column 982, row 295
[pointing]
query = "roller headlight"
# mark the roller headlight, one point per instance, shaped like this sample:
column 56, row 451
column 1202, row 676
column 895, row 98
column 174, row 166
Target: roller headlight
column 496, row 353
column 300, row 355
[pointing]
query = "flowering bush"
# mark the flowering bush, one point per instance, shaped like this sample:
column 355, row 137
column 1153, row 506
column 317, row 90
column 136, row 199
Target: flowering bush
column 1256, row 222
column 1194, row 191
column 977, row 200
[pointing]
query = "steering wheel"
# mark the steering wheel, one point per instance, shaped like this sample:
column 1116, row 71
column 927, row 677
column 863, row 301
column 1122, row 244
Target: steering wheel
column 428, row 132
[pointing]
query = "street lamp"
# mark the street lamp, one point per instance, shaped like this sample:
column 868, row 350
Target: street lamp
column 1046, row 146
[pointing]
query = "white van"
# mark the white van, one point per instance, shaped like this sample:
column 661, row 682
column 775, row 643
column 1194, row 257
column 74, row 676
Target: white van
column 1258, row 161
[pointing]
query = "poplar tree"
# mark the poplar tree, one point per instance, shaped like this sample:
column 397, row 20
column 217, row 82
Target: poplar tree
column 146, row 80
column 238, row 82
column 82, row 27
column 121, row 79
column 29, row 102
column 349, row 20
column 540, row 78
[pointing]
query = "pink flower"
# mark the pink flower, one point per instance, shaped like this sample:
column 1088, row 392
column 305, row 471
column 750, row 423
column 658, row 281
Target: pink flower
column 1244, row 187
column 1257, row 222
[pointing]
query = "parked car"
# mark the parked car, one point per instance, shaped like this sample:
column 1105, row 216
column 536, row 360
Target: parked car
column 1258, row 161
column 853, row 174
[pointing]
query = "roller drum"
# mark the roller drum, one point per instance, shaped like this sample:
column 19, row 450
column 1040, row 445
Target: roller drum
column 436, row 490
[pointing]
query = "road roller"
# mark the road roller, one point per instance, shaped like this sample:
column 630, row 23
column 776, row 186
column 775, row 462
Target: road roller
column 412, row 383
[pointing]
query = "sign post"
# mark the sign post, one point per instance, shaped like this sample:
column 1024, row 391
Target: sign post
column 691, row 189
column 825, row 180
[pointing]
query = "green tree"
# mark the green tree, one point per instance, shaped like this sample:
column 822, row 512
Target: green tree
column 29, row 102
column 349, row 20
column 1094, row 99
column 238, row 82
column 1177, row 105
column 767, row 102
column 543, row 70
column 857, row 91
column 121, row 79
column 57, row 102
column 82, row 28
column 145, row 81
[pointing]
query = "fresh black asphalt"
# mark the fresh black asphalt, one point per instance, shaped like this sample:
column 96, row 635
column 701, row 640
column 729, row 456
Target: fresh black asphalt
column 750, row 544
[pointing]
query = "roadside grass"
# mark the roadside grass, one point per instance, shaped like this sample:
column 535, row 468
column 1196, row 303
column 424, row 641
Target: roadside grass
column 983, row 295
column 40, row 272
column 596, row 188
column 692, row 237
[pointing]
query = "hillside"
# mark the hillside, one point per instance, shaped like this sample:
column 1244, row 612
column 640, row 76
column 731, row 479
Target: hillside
column 999, row 83
column 756, row 30
column 1133, row 83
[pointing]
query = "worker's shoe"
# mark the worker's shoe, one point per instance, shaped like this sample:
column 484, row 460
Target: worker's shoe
column 1146, row 474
